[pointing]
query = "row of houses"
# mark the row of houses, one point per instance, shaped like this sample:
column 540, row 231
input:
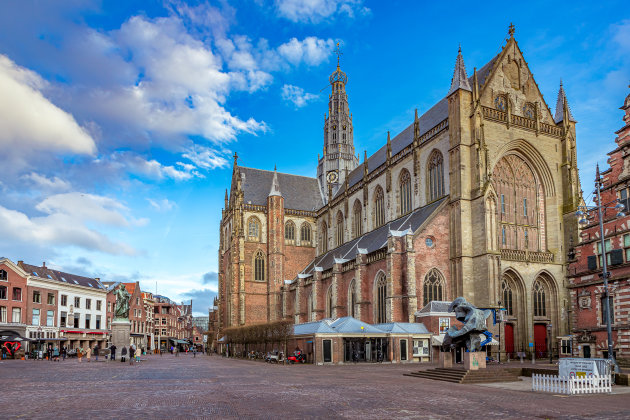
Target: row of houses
column 42, row 306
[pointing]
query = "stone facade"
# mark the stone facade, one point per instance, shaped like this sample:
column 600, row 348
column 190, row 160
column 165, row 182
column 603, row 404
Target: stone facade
column 475, row 198
column 587, row 296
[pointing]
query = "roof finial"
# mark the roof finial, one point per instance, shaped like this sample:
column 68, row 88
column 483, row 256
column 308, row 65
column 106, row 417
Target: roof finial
column 511, row 30
column 274, row 167
column 235, row 159
column 339, row 54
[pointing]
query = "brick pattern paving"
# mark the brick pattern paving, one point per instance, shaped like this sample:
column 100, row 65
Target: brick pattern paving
column 212, row 387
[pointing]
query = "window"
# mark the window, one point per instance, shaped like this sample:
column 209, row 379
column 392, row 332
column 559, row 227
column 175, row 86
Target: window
column 436, row 176
column 433, row 286
column 540, row 308
column 77, row 319
column 51, row 299
column 352, row 299
column 163, row 331
column 253, row 229
column 329, row 303
column 599, row 252
column 507, row 298
column 403, row 350
column 381, row 302
column 35, row 317
column 405, row 192
column 63, row 319
column 88, row 303
column 503, row 238
column 525, row 207
column 305, row 232
column 565, row 346
column 379, row 207
column 77, row 302
column 445, row 324
column 289, row 232
column 3, row 292
column 37, row 297
column 309, row 307
column 3, row 314
column 88, row 318
column 624, row 198
column 64, row 300
column 4, row 276
column 503, row 203
column 109, row 307
column 420, row 348
column 529, row 111
column 612, row 310
column 50, row 318
column 500, row 103
column 526, row 238
column 357, row 219
column 98, row 322
column 98, row 305
column 259, row 267
column 163, row 321
column 137, row 301
column 324, row 236
column 16, row 315
column 339, row 232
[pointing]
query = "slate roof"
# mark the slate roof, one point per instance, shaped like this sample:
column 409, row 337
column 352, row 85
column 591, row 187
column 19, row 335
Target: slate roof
column 375, row 239
column 350, row 325
column 62, row 277
column 299, row 192
column 435, row 306
column 427, row 121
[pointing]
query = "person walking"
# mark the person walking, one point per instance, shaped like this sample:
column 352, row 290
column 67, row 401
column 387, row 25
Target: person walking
column 123, row 354
column 64, row 352
column 138, row 352
column 56, row 353
column 96, row 350
column 49, row 352
column 4, row 352
column 80, row 354
column 112, row 349
column 88, row 353
column 177, row 351
column 132, row 353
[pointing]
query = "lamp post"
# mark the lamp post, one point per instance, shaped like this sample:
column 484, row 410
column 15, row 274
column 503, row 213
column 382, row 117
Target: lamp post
column 550, row 343
column 582, row 212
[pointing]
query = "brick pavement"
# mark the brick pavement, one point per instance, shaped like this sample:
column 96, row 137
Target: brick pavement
column 212, row 387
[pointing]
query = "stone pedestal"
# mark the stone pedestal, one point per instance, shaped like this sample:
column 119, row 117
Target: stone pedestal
column 474, row 360
column 446, row 359
column 121, row 330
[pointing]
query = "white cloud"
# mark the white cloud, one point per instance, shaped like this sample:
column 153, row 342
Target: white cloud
column 205, row 158
column 314, row 11
column 311, row 50
column 297, row 96
column 162, row 205
column 151, row 169
column 47, row 184
column 30, row 122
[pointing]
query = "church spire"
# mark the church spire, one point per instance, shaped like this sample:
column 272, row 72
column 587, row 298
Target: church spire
column 562, row 107
column 275, row 185
column 460, row 79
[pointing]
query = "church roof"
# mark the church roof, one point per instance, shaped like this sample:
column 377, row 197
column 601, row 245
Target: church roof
column 299, row 192
column 61, row 277
column 374, row 240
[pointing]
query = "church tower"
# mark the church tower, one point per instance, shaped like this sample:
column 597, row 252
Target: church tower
column 338, row 159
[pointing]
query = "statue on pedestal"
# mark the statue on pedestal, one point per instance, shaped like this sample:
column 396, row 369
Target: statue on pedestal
column 473, row 331
column 121, row 309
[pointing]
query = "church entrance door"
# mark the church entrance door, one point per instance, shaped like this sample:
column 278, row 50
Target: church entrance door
column 540, row 340
column 509, row 339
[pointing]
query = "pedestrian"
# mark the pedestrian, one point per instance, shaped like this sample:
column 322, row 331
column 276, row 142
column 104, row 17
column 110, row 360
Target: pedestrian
column 88, row 353
column 49, row 352
column 64, row 351
column 132, row 353
column 123, row 354
column 96, row 350
column 56, row 353
column 177, row 351
column 138, row 352
column 4, row 352
column 112, row 349
column 80, row 354
column 194, row 350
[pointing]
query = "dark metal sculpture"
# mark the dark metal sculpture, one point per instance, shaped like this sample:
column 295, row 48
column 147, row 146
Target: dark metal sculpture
column 474, row 330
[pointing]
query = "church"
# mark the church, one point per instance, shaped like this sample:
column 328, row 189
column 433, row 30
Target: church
column 476, row 197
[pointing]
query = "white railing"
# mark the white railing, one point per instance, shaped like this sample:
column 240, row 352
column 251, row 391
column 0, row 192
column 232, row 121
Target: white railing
column 572, row 385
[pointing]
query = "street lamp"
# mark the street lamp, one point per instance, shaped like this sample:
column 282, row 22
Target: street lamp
column 582, row 213
column 550, row 343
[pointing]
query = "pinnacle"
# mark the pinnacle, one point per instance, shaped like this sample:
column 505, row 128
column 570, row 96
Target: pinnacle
column 460, row 79
column 560, row 103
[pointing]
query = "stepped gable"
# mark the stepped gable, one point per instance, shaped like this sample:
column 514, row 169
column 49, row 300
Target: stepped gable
column 426, row 121
column 299, row 192
column 374, row 240
column 62, row 277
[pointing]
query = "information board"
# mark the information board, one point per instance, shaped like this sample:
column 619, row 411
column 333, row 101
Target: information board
column 576, row 367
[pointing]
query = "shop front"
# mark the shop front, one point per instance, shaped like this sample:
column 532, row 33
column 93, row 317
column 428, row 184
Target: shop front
column 12, row 343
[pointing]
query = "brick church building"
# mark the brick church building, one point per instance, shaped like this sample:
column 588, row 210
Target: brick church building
column 476, row 197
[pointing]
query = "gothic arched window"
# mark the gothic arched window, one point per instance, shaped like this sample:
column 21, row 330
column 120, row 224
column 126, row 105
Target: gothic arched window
column 309, row 307
column 540, row 308
column 289, row 232
column 329, row 303
column 405, row 192
column 339, row 231
column 379, row 207
column 352, row 298
column 357, row 220
column 500, row 103
column 436, row 176
column 529, row 111
column 324, row 237
column 507, row 298
column 381, row 299
column 253, row 229
column 433, row 288
column 305, row 234
column 259, row 266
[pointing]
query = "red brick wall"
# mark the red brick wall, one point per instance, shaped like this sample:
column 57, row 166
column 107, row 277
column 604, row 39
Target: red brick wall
column 14, row 281
column 435, row 257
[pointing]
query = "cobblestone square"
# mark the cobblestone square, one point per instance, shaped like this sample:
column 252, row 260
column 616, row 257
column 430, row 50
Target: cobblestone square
column 216, row 387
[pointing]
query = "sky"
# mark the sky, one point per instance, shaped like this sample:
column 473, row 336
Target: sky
column 119, row 120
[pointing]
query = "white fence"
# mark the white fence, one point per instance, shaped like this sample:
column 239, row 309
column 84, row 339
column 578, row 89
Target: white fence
column 572, row 385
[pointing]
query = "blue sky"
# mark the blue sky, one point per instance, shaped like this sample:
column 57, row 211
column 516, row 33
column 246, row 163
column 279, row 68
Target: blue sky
column 118, row 120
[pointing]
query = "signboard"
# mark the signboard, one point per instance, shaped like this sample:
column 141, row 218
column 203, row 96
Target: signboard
column 531, row 344
column 577, row 367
